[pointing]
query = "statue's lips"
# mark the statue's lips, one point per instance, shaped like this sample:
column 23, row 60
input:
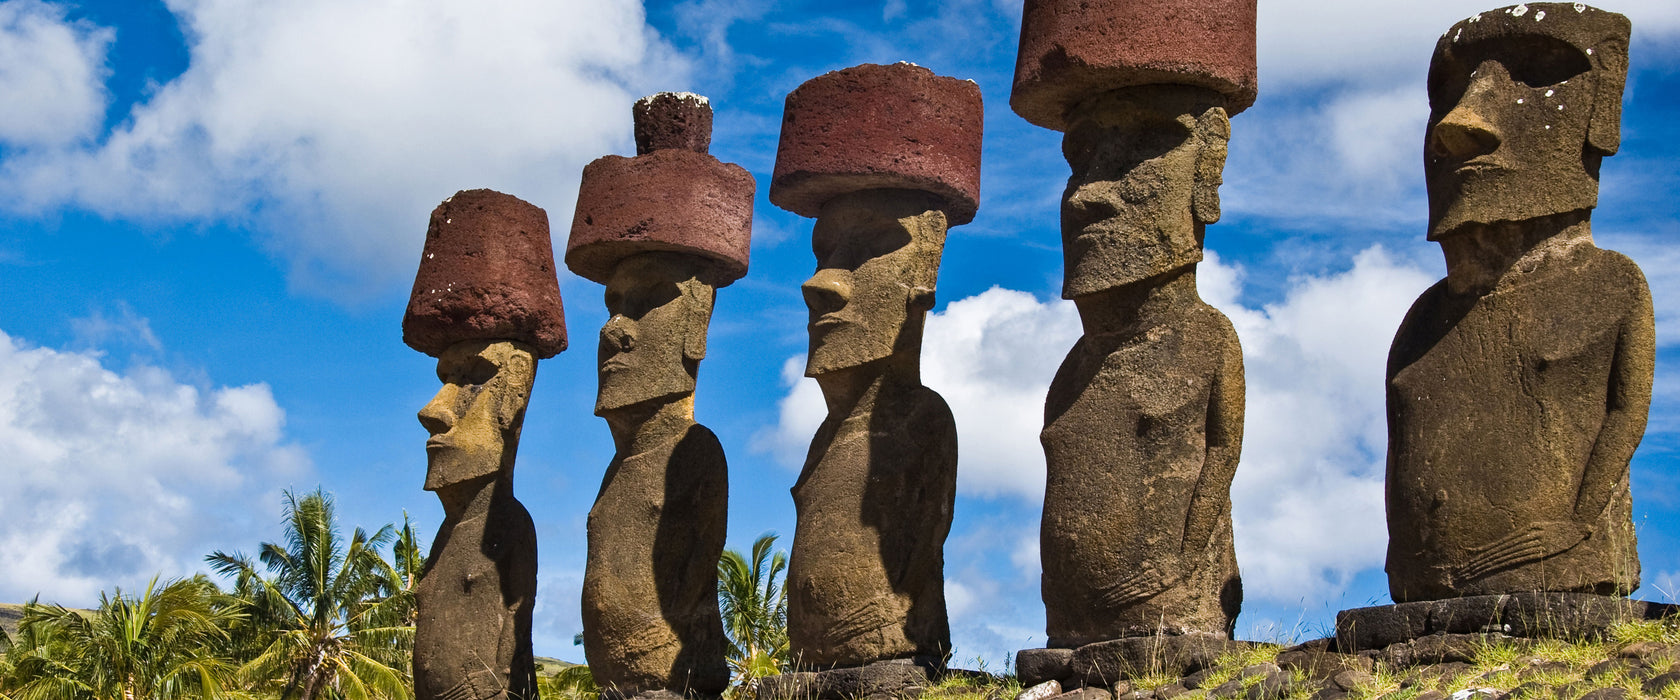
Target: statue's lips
column 436, row 443
column 1479, row 164
column 828, row 321
column 614, row 364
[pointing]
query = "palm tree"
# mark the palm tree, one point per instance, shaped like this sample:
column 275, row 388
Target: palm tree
column 162, row 644
column 569, row 683
column 754, row 610
column 329, row 625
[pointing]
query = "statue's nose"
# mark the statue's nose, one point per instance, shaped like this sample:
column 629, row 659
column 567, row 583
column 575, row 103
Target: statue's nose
column 438, row 416
column 1465, row 132
column 827, row 291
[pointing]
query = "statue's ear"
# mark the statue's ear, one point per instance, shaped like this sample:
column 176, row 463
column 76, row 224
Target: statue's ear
column 1610, row 63
column 517, row 374
column 1213, row 131
column 699, row 304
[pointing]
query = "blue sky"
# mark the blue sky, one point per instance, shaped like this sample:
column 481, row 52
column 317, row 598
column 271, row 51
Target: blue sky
column 211, row 211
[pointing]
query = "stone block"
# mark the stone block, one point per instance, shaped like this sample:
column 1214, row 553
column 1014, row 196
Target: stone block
column 1105, row 663
column 670, row 200
column 1035, row 666
column 681, row 120
column 1072, row 50
column 486, row 273
column 897, row 678
column 1529, row 615
column 1040, row 691
column 875, row 126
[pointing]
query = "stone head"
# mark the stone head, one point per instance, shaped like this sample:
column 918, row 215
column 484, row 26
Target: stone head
column 660, row 305
column 878, row 257
column 475, row 418
column 1147, row 164
column 1525, row 102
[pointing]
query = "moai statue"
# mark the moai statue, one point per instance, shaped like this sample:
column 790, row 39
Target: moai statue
column 662, row 231
column 1143, row 422
column 885, row 157
column 1518, row 387
column 486, row 303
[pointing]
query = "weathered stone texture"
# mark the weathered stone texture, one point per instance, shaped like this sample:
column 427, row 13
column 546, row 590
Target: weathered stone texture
column 1072, row 50
column 1572, row 616
column 866, row 577
column 874, row 126
column 487, row 273
column 668, row 200
column 650, row 584
column 1518, row 387
column 661, row 231
column 1143, row 421
column 681, row 120
column 472, row 638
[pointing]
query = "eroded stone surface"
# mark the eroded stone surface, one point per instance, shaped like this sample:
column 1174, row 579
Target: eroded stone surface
column 486, row 273
column 650, row 615
column 472, row 638
column 871, row 126
column 680, row 120
column 895, row 678
column 1518, row 387
column 1072, row 50
column 866, row 577
column 668, row 200
column 1143, row 422
column 1551, row 615
column 1106, row 663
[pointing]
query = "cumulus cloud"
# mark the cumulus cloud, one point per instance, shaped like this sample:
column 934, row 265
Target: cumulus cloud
column 52, row 75
column 113, row 477
column 334, row 126
column 1384, row 42
column 1308, row 493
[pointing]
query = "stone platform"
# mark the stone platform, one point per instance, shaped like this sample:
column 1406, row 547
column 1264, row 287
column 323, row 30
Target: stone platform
column 896, row 678
column 1104, row 664
column 1534, row 615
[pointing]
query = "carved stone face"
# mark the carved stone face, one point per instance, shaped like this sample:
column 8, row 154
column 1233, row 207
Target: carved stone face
column 652, row 345
column 877, row 262
column 1520, row 119
column 475, row 418
column 1147, row 164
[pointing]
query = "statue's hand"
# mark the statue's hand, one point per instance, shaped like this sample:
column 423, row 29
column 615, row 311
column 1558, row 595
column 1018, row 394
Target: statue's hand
column 1529, row 544
column 1149, row 580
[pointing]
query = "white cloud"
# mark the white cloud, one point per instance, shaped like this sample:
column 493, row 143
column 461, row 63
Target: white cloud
column 341, row 123
column 1308, row 493
column 52, row 73
column 114, row 477
column 1378, row 42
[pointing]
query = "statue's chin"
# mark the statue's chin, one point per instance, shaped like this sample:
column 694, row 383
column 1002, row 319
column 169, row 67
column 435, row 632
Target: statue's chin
column 456, row 467
column 617, row 398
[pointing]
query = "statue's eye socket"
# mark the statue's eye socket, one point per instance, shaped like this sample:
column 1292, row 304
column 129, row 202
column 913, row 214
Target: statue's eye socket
column 477, row 371
column 1548, row 63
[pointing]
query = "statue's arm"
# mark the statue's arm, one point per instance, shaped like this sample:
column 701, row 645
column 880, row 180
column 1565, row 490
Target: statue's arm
column 1226, row 402
column 1627, row 406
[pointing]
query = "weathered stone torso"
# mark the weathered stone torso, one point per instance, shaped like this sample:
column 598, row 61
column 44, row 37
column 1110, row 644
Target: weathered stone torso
column 477, row 595
column 656, row 531
column 866, row 577
column 1126, row 442
column 1495, row 406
